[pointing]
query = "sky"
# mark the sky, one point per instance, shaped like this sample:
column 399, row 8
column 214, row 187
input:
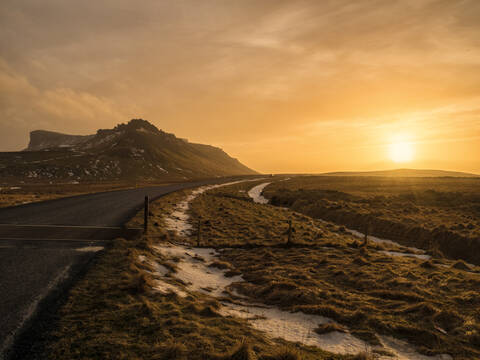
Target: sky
column 284, row 86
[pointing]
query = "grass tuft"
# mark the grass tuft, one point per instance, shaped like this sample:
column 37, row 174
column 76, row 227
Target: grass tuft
column 330, row 327
column 242, row 351
column 172, row 351
column 286, row 353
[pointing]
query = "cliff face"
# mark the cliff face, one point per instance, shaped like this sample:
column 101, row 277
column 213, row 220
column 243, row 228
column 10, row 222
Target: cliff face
column 133, row 151
column 42, row 140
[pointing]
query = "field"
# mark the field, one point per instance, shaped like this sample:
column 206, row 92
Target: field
column 437, row 214
column 114, row 312
column 138, row 303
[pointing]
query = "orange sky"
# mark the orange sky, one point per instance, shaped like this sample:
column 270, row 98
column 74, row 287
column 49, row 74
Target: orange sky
column 285, row 86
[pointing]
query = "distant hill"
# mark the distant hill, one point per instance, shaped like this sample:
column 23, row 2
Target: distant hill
column 403, row 173
column 133, row 151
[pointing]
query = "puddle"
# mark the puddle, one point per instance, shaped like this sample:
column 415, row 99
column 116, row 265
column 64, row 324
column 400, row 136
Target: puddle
column 256, row 193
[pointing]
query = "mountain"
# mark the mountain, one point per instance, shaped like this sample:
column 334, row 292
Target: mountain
column 133, row 151
column 404, row 173
column 42, row 140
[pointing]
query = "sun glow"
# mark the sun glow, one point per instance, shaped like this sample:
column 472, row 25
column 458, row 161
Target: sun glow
column 401, row 151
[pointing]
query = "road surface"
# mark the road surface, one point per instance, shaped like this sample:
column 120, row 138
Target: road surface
column 103, row 209
column 39, row 259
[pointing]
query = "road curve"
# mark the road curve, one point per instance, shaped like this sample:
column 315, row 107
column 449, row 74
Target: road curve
column 111, row 208
column 33, row 269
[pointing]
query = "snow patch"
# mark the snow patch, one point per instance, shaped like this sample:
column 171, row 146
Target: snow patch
column 256, row 193
column 295, row 327
column 178, row 220
column 166, row 288
column 194, row 271
column 401, row 254
column 403, row 351
column 142, row 129
column 192, row 268
column 377, row 240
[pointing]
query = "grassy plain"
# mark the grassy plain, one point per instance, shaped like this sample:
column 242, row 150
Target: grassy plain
column 114, row 313
column 432, row 304
column 438, row 214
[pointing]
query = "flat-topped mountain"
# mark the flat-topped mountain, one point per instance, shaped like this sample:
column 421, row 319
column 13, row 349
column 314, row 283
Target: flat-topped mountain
column 134, row 151
column 44, row 140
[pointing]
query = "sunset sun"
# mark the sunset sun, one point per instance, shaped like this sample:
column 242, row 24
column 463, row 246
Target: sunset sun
column 401, row 152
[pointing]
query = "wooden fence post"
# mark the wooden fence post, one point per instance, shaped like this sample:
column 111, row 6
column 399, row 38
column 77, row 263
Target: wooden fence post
column 289, row 241
column 146, row 214
column 199, row 232
column 365, row 240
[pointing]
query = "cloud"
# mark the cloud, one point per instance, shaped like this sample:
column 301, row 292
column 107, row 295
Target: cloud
column 24, row 107
column 236, row 72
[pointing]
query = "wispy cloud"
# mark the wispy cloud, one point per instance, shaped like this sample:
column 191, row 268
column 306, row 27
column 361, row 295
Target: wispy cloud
column 242, row 72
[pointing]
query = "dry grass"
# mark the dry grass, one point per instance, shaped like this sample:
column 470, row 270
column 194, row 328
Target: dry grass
column 114, row 313
column 327, row 272
column 441, row 215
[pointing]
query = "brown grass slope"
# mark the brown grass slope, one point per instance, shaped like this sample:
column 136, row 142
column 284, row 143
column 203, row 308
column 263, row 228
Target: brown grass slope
column 133, row 151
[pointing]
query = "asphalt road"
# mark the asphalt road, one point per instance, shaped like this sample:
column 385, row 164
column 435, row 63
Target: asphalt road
column 37, row 260
column 112, row 208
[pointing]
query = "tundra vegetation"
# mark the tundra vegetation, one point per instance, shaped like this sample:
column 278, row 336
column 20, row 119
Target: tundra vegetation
column 115, row 311
column 440, row 214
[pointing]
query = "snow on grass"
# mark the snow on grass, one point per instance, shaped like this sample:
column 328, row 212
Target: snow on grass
column 256, row 193
column 194, row 271
column 401, row 254
column 295, row 327
column 192, row 268
column 178, row 220
column 166, row 288
column 415, row 252
column 401, row 350
column 192, row 265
